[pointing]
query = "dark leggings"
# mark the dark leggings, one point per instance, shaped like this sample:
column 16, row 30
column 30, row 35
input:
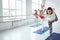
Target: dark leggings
column 50, row 26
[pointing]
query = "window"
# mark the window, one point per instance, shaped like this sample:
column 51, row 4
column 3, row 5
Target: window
column 36, row 5
column 12, row 4
column 14, row 9
column 18, row 4
column 5, row 3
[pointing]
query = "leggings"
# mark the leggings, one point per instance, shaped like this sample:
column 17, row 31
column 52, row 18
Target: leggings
column 50, row 26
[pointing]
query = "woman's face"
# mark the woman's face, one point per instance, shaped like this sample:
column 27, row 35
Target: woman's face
column 49, row 11
column 35, row 11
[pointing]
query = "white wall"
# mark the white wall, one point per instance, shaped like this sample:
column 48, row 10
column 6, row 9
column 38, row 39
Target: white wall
column 1, row 10
column 8, row 25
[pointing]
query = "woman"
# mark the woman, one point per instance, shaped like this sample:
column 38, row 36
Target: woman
column 52, row 18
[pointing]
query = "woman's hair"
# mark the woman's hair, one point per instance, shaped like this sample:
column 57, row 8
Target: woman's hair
column 49, row 8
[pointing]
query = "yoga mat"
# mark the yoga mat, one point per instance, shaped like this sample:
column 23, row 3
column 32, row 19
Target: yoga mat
column 39, row 31
column 55, row 36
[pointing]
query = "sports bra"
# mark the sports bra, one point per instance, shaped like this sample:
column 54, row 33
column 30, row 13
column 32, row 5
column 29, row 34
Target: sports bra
column 42, row 17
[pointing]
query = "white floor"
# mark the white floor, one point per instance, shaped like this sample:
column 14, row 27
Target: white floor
column 26, row 33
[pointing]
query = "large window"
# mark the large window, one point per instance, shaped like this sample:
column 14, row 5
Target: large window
column 14, row 9
column 36, row 5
